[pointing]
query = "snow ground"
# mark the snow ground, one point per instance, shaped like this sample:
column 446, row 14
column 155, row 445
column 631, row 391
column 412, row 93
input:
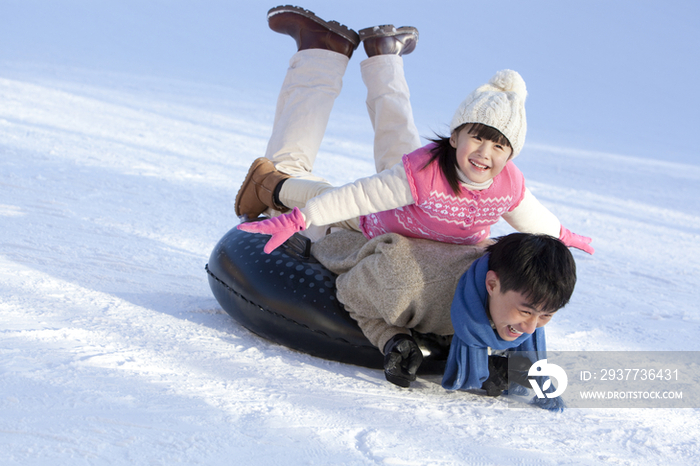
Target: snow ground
column 122, row 144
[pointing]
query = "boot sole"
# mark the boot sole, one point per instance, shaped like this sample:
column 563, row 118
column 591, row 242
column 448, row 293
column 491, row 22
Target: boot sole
column 332, row 26
column 386, row 30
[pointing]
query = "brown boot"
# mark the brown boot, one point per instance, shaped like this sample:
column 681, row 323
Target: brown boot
column 257, row 192
column 311, row 32
column 388, row 40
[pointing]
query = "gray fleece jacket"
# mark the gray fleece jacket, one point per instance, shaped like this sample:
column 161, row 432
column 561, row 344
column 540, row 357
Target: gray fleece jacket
column 392, row 284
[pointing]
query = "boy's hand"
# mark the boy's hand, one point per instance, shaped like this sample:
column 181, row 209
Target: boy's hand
column 504, row 371
column 281, row 228
column 402, row 357
column 573, row 240
column 498, row 376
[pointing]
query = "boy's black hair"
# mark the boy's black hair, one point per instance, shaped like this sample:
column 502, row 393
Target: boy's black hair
column 446, row 155
column 539, row 266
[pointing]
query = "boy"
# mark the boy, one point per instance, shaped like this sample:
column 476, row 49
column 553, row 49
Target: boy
column 497, row 297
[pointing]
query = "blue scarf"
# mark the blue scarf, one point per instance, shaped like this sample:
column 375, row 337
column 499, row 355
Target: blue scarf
column 467, row 365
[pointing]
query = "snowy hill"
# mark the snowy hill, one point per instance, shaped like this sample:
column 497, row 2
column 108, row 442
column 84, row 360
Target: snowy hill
column 125, row 131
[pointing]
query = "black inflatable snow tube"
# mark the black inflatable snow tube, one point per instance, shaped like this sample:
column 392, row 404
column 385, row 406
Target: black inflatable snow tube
column 289, row 298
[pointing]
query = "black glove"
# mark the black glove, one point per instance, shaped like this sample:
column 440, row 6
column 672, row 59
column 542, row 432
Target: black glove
column 518, row 367
column 498, row 376
column 402, row 357
column 503, row 370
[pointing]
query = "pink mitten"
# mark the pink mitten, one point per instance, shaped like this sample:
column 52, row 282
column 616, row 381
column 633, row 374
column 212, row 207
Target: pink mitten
column 573, row 240
column 281, row 228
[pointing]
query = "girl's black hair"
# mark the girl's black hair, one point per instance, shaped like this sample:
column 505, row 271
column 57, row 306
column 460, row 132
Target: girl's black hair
column 446, row 155
column 539, row 266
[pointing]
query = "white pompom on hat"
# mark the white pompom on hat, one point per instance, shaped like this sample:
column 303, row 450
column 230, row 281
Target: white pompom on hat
column 500, row 103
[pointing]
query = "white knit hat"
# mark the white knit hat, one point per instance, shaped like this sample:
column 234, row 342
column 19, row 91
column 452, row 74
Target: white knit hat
column 500, row 103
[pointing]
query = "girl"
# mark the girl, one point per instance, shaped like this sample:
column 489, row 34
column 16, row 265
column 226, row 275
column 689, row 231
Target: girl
column 451, row 190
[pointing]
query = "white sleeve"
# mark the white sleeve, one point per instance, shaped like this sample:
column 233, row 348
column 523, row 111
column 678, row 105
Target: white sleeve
column 532, row 217
column 386, row 190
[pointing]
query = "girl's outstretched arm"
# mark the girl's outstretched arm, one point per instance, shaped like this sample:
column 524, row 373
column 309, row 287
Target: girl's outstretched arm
column 532, row 217
column 386, row 190
column 383, row 191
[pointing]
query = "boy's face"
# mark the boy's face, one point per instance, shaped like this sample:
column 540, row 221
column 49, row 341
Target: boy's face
column 479, row 159
column 510, row 312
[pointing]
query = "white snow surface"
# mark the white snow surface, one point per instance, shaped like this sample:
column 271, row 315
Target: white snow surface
column 126, row 128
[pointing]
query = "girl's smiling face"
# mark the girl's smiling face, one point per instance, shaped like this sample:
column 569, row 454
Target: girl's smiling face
column 511, row 312
column 479, row 159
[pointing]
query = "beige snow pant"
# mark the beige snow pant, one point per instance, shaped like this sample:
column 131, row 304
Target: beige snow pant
column 313, row 81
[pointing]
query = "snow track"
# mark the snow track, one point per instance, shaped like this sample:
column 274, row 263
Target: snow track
column 116, row 185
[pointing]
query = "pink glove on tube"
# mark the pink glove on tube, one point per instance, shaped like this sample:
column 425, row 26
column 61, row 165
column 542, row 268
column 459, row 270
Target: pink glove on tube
column 573, row 240
column 281, row 228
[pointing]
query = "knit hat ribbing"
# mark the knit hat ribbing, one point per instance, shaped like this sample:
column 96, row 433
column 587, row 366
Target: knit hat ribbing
column 500, row 103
